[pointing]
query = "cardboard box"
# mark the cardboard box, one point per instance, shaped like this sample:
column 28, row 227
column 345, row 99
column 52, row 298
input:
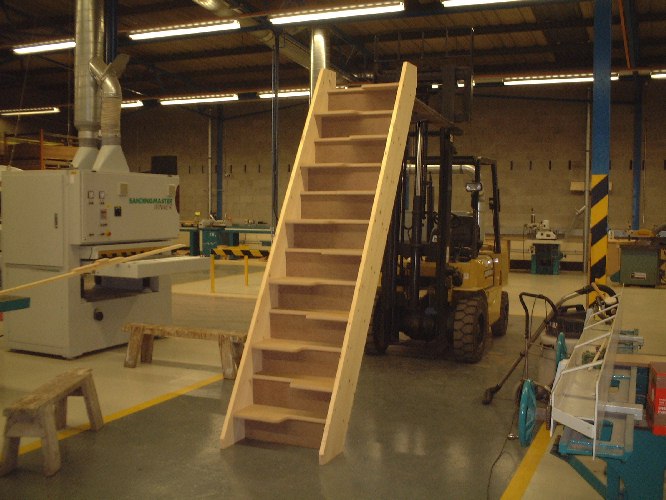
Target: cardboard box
column 656, row 404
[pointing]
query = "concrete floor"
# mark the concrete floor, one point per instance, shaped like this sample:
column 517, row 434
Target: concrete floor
column 418, row 428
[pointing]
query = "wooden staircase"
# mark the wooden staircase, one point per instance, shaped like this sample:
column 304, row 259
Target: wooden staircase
column 298, row 374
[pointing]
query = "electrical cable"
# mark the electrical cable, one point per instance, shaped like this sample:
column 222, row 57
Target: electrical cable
column 501, row 452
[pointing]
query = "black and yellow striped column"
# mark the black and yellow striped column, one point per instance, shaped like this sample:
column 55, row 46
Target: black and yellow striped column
column 598, row 228
column 601, row 111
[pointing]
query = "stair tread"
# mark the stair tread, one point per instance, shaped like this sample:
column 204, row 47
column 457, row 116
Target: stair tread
column 290, row 345
column 305, row 281
column 277, row 414
column 325, row 315
column 342, row 165
column 368, row 87
column 328, row 222
column 352, row 138
column 300, row 381
column 344, row 113
column 354, row 252
column 338, row 193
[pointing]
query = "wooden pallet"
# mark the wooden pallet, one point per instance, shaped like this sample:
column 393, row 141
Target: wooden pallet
column 298, row 374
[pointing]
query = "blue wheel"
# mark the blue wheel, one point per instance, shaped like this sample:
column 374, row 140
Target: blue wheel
column 560, row 349
column 527, row 414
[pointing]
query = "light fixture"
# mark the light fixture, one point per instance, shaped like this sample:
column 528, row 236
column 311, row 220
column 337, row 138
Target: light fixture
column 551, row 79
column 660, row 74
column 285, row 93
column 365, row 9
column 202, row 99
column 131, row 104
column 30, row 111
column 44, row 47
column 184, row 29
column 468, row 3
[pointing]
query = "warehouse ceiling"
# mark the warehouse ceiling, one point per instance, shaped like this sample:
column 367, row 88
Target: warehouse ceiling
column 521, row 38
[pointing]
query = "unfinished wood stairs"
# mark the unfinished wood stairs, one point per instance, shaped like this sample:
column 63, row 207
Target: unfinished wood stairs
column 298, row 374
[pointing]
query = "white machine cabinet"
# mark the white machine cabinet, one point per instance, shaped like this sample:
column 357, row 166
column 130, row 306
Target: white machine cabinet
column 54, row 221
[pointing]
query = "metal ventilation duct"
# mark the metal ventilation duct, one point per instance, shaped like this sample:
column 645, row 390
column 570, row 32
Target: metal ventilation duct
column 89, row 43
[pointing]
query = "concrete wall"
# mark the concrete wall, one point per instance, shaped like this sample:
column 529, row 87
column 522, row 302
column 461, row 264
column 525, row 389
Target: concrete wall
column 520, row 126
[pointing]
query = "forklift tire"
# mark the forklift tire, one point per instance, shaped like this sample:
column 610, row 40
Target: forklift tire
column 379, row 336
column 470, row 328
column 499, row 327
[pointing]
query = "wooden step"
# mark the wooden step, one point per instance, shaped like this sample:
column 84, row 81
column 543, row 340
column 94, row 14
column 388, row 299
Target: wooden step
column 276, row 414
column 309, row 282
column 321, row 315
column 300, row 382
column 287, row 345
column 326, row 233
column 352, row 122
column 323, row 263
column 315, row 297
column 341, row 176
column 337, row 204
column 350, row 149
column 364, row 98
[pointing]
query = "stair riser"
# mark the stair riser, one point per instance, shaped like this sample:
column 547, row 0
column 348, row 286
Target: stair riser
column 305, row 434
column 313, row 298
column 341, row 179
column 353, row 125
column 366, row 101
column 327, row 236
column 319, row 364
column 353, row 152
column 341, row 267
column 271, row 393
column 336, row 207
column 299, row 328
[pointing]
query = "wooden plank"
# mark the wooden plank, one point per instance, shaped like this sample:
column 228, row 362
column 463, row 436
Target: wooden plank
column 185, row 332
column 279, row 393
column 326, row 251
column 309, row 363
column 276, row 415
column 303, row 382
column 339, row 316
column 342, row 266
column 291, row 432
column 291, row 345
column 55, row 389
column 342, row 398
column 337, row 204
column 308, row 281
column 233, row 428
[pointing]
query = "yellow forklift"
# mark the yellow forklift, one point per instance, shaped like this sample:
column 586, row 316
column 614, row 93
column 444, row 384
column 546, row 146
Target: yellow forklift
column 442, row 278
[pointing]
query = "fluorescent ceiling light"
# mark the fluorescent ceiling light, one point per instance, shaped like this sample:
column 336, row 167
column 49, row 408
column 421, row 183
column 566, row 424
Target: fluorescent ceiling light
column 199, row 99
column 45, row 47
column 285, row 93
column 660, row 75
column 466, row 3
column 365, row 9
column 184, row 29
column 131, row 104
column 545, row 80
column 30, row 111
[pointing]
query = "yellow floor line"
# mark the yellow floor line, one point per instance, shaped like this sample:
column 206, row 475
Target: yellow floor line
column 523, row 475
column 73, row 431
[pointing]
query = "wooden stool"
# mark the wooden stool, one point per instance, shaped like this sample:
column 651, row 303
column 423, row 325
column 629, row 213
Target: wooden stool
column 142, row 335
column 42, row 412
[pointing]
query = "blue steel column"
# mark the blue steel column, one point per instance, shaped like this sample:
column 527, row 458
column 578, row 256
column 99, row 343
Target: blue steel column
column 219, row 122
column 638, row 151
column 601, row 108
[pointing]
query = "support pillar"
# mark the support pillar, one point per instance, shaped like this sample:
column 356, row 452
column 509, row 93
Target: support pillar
column 601, row 110
column 638, row 152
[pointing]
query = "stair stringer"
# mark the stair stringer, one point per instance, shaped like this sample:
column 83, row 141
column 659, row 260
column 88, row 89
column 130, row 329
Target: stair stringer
column 233, row 429
column 337, row 420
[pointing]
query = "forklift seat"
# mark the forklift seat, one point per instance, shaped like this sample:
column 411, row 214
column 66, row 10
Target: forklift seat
column 462, row 237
